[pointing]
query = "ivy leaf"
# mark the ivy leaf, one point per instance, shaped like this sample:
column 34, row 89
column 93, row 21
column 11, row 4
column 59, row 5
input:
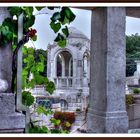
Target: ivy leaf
column 50, row 87
column 14, row 47
column 31, row 84
column 40, row 67
column 15, row 10
column 10, row 36
column 56, row 16
column 34, row 38
column 42, row 110
column 6, row 33
column 51, row 8
column 28, row 22
column 64, row 20
column 31, row 51
column 61, row 41
column 28, row 11
column 39, row 79
column 59, row 37
column 55, row 26
column 65, row 31
column 4, row 30
column 39, row 7
column 27, row 98
column 24, row 50
column 55, row 121
column 67, row 16
column 12, row 24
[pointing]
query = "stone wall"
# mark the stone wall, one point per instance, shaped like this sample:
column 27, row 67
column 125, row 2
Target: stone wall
column 133, row 112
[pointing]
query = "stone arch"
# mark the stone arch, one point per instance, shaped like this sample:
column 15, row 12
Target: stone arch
column 60, row 51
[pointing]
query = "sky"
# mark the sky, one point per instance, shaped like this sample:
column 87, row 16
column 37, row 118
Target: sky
column 82, row 22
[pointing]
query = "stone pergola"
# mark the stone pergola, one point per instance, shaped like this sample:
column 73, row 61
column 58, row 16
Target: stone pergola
column 107, row 111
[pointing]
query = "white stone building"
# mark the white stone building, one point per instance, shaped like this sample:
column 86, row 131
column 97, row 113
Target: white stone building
column 69, row 68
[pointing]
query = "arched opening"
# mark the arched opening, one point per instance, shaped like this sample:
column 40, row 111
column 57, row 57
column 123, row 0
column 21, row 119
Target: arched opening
column 59, row 65
column 64, row 65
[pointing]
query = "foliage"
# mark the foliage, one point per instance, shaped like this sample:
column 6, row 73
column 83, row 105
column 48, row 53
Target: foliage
column 66, row 126
column 78, row 109
column 27, row 98
column 64, row 120
column 42, row 110
column 130, row 66
column 65, row 116
column 44, row 129
column 34, row 64
column 38, row 129
column 136, row 91
column 132, row 53
column 129, row 99
column 58, row 20
column 55, row 122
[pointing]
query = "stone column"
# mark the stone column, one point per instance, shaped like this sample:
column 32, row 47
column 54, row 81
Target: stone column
column 85, row 71
column 5, row 55
column 107, row 111
column 74, row 72
column 11, row 121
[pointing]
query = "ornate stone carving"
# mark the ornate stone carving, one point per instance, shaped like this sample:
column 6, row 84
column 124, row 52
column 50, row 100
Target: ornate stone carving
column 3, row 85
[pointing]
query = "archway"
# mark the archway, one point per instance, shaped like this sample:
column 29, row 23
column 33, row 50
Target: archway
column 64, row 64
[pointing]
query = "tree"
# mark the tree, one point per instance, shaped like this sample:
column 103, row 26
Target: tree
column 132, row 53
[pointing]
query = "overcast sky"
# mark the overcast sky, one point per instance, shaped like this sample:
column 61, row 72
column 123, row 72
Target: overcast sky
column 82, row 22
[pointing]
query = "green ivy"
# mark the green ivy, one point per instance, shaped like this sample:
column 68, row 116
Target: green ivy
column 34, row 63
column 27, row 98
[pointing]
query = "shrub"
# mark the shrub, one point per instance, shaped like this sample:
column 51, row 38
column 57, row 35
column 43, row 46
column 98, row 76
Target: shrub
column 136, row 91
column 66, row 126
column 27, row 98
column 78, row 109
column 65, row 116
column 129, row 99
column 58, row 115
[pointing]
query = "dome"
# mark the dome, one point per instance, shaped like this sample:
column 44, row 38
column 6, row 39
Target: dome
column 75, row 33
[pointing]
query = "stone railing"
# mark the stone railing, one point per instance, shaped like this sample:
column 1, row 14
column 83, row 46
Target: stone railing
column 67, row 82
column 63, row 82
column 39, row 90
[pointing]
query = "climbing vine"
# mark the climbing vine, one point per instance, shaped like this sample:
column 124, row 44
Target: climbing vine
column 8, row 34
column 59, row 22
column 33, row 63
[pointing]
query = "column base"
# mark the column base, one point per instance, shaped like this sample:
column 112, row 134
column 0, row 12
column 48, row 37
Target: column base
column 110, row 122
column 12, row 123
column 10, row 120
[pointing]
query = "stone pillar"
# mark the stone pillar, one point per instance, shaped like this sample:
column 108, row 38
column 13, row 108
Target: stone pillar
column 107, row 111
column 74, row 72
column 5, row 55
column 11, row 121
column 53, row 70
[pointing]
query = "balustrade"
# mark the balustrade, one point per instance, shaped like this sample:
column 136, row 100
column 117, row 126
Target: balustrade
column 67, row 82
